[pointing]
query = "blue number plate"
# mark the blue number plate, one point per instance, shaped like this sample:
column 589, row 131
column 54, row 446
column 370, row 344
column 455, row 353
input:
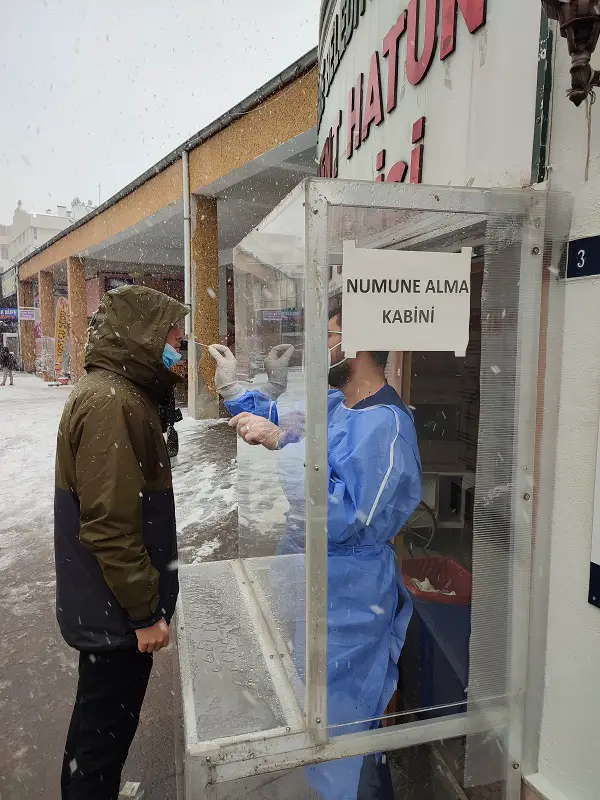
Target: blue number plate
column 584, row 257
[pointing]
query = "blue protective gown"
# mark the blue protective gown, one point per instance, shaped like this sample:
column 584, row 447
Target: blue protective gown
column 374, row 486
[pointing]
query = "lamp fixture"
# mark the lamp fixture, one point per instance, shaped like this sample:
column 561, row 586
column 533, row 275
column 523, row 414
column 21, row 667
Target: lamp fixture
column 579, row 22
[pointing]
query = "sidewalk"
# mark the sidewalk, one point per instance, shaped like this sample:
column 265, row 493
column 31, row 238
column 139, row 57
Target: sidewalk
column 37, row 670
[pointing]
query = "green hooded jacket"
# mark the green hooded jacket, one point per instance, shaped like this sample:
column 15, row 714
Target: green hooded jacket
column 114, row 513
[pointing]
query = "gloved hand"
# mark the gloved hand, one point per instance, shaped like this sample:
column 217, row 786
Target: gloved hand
column 226, row 381
column 277, row 364
column 257, row 430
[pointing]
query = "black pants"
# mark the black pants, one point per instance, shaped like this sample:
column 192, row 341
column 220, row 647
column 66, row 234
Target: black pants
column 375, row 780
column 107, row 708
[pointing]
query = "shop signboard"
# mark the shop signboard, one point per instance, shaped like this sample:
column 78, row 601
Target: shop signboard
column 422, row 91
column 280, row 314
column 8, row 314
column 406, row 301
column 27, row 314
column 62, row 330
column 271, row 315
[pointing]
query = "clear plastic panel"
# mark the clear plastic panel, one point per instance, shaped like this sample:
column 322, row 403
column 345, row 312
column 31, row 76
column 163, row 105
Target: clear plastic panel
column 434, row 771
column 464, row 551
column 400, row 646
column 269, row 295
column 443, row 639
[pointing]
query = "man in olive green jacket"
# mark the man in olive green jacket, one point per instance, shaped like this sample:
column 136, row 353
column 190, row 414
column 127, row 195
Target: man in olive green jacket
column 114, row 529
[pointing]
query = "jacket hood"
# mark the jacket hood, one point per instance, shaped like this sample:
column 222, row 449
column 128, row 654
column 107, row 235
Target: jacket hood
column 127, row 336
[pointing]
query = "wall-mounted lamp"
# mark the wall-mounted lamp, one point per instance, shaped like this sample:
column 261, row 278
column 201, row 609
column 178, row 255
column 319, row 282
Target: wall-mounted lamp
column 579, row 22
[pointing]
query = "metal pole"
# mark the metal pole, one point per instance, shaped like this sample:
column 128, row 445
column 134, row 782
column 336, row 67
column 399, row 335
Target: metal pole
column 187, row 241
column 316, row 301
column 529, row 309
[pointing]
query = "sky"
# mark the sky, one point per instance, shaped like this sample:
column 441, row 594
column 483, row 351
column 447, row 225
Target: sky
column 97, row 92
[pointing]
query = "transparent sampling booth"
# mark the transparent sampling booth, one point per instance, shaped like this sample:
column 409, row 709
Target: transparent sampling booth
column 370, row 640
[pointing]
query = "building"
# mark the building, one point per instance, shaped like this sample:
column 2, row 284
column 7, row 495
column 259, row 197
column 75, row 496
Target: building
column 480, row 96
column 29, row 231
column 4, row 262
column 8, row 292
column 238, row 168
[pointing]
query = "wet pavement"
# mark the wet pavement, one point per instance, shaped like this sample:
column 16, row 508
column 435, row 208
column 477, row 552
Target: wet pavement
column 37, row 670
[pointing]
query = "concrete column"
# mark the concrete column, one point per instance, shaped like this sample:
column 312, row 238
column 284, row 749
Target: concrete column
column 77, row 315
column 203, row 400
column 27, row 327
column 46, row 295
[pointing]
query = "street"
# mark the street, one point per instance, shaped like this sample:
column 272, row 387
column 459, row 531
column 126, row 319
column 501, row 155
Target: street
column 37, row 669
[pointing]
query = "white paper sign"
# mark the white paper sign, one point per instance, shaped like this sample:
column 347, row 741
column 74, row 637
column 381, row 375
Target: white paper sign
column 403, row 300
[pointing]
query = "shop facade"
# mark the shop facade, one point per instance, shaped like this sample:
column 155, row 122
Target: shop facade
column 174, row 228
column 474, row 93
column 8, row 312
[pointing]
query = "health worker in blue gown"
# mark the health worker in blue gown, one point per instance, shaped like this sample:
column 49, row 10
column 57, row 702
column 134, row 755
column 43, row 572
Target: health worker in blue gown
column 374, row 480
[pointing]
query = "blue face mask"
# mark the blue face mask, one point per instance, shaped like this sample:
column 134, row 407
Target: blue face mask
column 170, row 356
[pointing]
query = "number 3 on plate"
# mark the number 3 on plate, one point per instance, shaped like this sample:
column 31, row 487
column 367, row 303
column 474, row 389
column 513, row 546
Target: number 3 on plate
column 581, row 259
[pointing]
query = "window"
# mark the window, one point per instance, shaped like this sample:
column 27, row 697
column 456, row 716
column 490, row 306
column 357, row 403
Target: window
column 3, row 253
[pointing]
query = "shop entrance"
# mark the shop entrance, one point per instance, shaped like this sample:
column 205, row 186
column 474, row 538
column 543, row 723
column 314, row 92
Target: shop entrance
column 289, row 651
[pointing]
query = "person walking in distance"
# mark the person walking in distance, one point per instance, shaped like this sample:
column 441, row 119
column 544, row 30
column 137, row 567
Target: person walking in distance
column 7, row 364
column 114, row 530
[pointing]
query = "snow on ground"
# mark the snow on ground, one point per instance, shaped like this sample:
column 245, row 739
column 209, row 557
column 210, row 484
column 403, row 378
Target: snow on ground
column 204, row 474
column 204, row 483
column 37, row 670
column 29, row 416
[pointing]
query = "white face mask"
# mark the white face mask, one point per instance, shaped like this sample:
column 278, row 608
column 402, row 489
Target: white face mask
column 337, row 363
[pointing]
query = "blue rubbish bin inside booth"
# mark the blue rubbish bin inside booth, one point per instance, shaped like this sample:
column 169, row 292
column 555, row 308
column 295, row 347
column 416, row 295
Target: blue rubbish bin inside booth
column 441, row 591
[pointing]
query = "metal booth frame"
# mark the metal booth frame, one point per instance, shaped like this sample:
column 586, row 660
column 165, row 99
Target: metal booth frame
column 542, row 232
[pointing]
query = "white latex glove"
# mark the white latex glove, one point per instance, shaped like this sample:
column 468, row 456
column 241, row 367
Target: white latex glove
column 226, row 381
column 277, row 364
column 257, row 430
